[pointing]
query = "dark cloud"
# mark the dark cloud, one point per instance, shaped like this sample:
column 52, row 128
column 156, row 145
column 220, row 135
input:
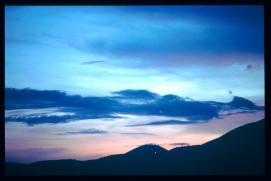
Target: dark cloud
column 42, row 119
column 80, row 114
column 30, row 98
column 92, row 62
column 166, row 122
column 219, row 30
column 105, row 107
column 249, row 67
column 85, row 131
column 136, row 94
column 236, row 112
column 240, row 102
column 252, row 67
column 172, row 105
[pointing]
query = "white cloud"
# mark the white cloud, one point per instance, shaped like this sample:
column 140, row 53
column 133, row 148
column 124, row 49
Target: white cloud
column 36, row 113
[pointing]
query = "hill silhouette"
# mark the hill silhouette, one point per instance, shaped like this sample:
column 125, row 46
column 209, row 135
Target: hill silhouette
column 240, row 151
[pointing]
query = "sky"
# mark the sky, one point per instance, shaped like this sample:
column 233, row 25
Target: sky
column 84, row 82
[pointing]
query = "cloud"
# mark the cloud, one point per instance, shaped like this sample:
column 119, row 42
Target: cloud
column 226, row 113
column 252, row 67
column 136, row 94
column 197, row 36
column 85, row 131
column 212, row 30
column 135, row 134
column 240, row 102
column 39, row 115
column 38, row 120
column 172, row 105
column 166, row 122
column 92, row 62
column 30, row 98
column 37, row 106
column 179, row 144
column 82, row 107
column 34, row 113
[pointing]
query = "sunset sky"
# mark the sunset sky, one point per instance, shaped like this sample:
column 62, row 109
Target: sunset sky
column 84, row 82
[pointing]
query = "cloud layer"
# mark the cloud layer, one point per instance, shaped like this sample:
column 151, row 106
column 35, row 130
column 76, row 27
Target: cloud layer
column 36, row 107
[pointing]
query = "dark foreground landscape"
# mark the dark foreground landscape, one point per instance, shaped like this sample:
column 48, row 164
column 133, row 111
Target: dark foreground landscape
column 240, row 151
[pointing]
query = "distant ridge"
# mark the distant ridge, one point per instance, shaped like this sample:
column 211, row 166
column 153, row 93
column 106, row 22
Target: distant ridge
column 238, row 152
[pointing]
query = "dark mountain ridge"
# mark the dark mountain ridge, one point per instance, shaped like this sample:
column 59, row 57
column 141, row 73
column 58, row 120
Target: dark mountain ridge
column 240, row 151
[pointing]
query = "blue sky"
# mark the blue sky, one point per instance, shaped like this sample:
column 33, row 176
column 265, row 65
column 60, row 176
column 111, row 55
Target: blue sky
column 102, row 80
column 185, row 50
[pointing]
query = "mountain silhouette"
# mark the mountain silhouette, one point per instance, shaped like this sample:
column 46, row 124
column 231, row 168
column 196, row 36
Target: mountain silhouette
column 147, row 151
column 238, row 152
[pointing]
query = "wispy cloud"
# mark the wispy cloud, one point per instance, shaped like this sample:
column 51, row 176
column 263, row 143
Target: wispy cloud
column 179, row 144
column 92, row 62
column 135, row 134
column 166, row 122
column 85, row 131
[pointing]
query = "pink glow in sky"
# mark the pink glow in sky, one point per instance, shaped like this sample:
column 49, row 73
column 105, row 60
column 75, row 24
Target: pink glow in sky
column 41, row 142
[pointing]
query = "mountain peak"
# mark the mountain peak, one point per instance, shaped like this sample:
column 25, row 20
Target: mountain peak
column 148, row 150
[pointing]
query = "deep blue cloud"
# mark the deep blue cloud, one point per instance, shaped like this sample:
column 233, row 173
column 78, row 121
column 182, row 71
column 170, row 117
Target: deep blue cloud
column 136, row 94
column 105, row 107
column 240, row 102
column 42, row 119
column 167, row 122
column 29, row 98
column 172, row 105
column 210, row 30
column 80, row 114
